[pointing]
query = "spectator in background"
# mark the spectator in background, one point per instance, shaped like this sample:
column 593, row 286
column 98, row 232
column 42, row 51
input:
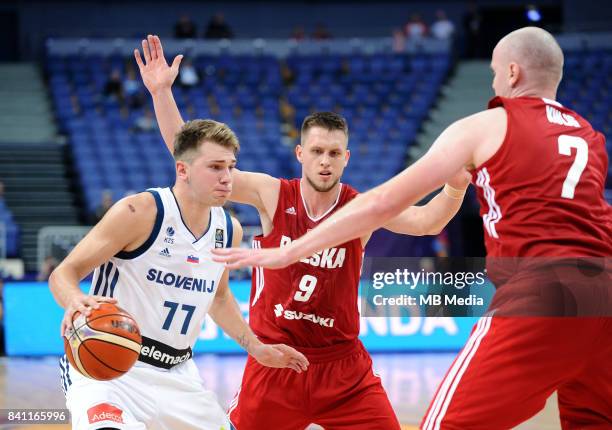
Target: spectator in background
column 298, row 34
column 114, row 86
column 188, row 75
column 105, row 205
column 415, row 28
column 472, row 23
column 321, row 32
column 399, row 40
column 185, row 28
column 442, row 28
column 146, row 122
column 48, row 266
column 132, row 90
column 217, row 28
column 286, row 73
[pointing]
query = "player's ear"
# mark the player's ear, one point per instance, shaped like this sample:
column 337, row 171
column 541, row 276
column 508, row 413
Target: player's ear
column 347, row 155
column 298, row 152
column 514, row 74
column 182, row 170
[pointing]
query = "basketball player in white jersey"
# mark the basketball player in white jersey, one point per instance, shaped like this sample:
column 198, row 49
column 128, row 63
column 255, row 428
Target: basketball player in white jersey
column 151, row 255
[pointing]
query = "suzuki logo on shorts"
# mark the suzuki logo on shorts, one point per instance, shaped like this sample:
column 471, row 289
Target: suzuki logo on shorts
column 296, row 315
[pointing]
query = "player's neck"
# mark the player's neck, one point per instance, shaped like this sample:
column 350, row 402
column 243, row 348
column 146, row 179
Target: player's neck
column 195, row 215
column 534, row 92
column 318, row 203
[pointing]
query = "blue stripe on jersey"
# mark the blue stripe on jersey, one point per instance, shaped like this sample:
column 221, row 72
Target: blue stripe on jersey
column 64, row 373
column 114, row 282
column 129, row 255
column 106, row 276
column 230, row 229
column 99, row 280
column 67, row 363
column 62, row 378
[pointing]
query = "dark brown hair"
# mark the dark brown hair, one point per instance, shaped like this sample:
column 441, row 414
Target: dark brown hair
column 328, row 120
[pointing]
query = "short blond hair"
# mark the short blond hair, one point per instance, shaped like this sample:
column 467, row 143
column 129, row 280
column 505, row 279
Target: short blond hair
column 195, row 133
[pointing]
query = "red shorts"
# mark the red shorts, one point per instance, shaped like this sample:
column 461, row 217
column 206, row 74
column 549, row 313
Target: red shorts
column 511, row 365
column 338, row 391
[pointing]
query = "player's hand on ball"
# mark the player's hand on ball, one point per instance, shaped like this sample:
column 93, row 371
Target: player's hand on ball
column 84, row 304
column 279, row 356
column 155, row 72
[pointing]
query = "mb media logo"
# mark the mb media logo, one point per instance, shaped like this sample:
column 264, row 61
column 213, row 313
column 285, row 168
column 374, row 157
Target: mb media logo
column 165, row 253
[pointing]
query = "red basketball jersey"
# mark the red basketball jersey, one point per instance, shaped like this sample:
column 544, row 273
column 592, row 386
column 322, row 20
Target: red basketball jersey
column 541, row 194
column 312, row 303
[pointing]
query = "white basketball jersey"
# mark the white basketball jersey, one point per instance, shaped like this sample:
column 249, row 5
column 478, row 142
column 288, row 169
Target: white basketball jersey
column 169, row 282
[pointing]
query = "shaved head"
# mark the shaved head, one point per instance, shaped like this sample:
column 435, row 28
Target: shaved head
column 537, row 54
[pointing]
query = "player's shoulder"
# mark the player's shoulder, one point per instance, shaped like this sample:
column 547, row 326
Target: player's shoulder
column 144, row 205
column 493, row 116
column 492, row 122
column 349, row 192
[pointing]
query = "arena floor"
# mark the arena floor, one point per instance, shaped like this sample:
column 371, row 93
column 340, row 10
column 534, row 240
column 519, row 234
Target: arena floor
column 410, row 381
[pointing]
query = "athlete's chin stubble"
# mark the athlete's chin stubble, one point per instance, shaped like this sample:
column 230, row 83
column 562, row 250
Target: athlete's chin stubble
column 322, row 189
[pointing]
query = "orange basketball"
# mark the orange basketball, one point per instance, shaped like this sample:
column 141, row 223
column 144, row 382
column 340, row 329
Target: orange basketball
column 103, row 345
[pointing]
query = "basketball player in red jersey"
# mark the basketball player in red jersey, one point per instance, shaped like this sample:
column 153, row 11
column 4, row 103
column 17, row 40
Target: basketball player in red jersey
column 539, row 168
column 312, row 304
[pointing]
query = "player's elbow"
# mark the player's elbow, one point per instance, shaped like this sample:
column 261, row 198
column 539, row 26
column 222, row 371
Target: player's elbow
column 54, row 279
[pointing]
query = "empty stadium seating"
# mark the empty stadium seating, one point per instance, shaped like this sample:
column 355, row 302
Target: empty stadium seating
column 384, row 97
column 587, row 88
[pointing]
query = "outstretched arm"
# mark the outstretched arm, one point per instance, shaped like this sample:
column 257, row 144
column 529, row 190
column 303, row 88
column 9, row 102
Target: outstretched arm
column 226, row 313
column 461, row 145
column 158, row 78
column 431, row 218
column 256, row 189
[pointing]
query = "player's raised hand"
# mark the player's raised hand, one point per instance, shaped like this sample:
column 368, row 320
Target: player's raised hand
column 155, row 72
column 280, row 356
column 84, row 304
column 235, row 258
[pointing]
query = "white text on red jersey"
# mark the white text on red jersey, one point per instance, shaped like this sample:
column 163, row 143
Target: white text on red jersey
column 329, row 258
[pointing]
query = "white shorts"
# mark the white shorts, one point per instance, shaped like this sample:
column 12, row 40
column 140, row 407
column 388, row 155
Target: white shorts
column 144, row 398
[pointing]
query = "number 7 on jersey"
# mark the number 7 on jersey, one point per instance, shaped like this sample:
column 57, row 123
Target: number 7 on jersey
column 566, row 143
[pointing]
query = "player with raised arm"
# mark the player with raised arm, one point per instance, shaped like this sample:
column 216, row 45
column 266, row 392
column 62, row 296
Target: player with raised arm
column 151, row 251
column 313, row 304
column 540, row 169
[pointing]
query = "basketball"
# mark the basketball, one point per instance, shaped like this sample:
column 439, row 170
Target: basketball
column 105, row 344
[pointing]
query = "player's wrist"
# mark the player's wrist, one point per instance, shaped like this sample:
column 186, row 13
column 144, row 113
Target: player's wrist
column 254, row 346
column 161, row 91
column 454, row 193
